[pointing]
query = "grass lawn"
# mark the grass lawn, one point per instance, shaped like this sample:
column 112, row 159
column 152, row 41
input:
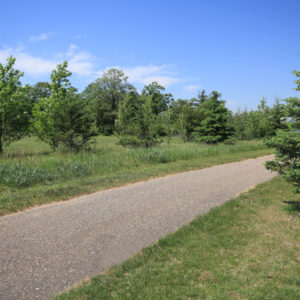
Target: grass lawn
column 31, row 174
column 249, row 248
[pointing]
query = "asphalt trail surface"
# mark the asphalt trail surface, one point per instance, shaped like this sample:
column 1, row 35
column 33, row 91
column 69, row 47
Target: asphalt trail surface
column 45, row 250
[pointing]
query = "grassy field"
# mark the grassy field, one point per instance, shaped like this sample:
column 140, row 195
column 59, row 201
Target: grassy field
column 31, row 174
column 249, row 248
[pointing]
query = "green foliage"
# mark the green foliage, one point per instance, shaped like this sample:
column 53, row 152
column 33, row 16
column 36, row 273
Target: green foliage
column 160, row 101
column 260, row 123
column 239, row 122
column 293, row 110
column 105, row 94
column 166, row 124
column 185, row 116
column 38, row 91
column 138, row 124
column 297, row 81
column 275, row 118
column 14, row 104
column 287, row 156
column 287, row 146
column 201, row 98
column 65, row 118
column 214, row 126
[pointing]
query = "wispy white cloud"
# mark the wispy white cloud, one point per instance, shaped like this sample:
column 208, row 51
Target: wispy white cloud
column 80, row 62
column 31, row 65
column 83, row 64
column 162, row 74
column 191, row 88
column 41, row 37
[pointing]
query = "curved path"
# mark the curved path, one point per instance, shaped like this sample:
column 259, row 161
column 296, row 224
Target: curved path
column 45, row 250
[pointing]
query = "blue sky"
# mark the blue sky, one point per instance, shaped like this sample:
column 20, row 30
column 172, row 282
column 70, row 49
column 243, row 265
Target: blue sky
column 242, row 49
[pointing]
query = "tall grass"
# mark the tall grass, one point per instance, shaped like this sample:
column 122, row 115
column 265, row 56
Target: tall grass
column 21, row 169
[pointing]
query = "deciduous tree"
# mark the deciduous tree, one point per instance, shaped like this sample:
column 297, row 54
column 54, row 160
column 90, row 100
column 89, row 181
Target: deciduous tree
column 160, row 100
column 105, row 94
column 14, row 104
column 64, row 118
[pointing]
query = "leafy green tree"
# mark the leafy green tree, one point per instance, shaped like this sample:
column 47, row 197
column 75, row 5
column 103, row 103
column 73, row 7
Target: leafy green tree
column 239, row 122
column 105, row 94
column 160, row 100
column 39, row 90
column 263, row 118
column 166, row 123
column 14, row 105
column 65, row 118
column 252, row 126
column 260, row 123
column 184, row 117
column 214, row 126
column 140, row 128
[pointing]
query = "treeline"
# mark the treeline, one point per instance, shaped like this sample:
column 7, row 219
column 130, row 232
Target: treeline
column 59, row 115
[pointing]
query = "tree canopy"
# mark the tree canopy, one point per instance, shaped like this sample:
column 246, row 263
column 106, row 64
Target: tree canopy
column 14, row 104
column 64, row 118
column 105, row 94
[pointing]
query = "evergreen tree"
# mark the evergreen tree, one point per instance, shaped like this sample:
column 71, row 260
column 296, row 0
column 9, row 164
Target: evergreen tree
column 293, row 110
column 287, row 145
column 275, row 118
column 214, row 126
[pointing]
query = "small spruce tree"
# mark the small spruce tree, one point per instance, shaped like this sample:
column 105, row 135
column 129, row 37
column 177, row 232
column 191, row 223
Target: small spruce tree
column 287, row 145
column 214, row 126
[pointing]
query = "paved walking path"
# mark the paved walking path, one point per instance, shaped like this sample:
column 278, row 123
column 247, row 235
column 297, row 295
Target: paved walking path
column 47, row 249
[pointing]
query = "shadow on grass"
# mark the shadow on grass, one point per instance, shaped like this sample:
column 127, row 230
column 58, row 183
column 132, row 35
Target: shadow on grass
column 293, row 206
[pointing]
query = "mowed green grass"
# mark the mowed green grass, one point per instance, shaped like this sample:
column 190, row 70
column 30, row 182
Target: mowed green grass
column 31, row 174
column 248, row 248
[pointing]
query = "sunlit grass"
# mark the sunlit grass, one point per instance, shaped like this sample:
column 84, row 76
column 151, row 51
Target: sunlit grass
column 31, row 171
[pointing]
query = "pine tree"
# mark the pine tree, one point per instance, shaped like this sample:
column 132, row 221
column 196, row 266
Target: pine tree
column 214, row 126
column 287, row 145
